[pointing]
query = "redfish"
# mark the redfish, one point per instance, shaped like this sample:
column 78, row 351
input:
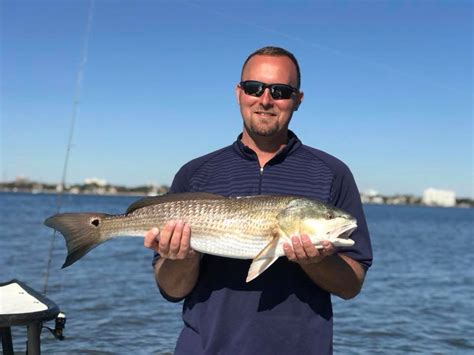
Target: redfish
column 248, row 227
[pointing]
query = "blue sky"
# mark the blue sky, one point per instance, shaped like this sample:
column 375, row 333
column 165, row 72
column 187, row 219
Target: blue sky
column 388, row 86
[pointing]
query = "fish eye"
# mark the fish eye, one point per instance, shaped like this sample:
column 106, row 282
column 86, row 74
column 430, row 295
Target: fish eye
column 330, row 215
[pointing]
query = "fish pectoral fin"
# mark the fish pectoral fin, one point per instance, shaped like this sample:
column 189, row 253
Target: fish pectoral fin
column 259, row 266
column 270, row 250
column 266, row 257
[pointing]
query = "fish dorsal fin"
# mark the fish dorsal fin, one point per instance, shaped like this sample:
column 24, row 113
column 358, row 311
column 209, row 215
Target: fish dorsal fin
column 155, row 200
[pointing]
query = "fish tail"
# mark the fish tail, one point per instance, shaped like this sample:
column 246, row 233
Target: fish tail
column 81, row 232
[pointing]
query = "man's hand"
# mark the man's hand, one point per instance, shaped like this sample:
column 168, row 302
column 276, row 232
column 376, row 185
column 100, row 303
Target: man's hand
column 173, row 242
column 177, row 271
column 302, row 251
column 335, row 273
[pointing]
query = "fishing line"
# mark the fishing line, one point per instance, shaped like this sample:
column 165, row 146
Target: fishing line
column 77, row 96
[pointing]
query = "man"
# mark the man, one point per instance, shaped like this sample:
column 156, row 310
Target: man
column 287, row 309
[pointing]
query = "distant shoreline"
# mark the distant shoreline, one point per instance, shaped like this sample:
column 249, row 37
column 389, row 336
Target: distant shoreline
column 29, row 192
column 402, row 200
column 93, row 188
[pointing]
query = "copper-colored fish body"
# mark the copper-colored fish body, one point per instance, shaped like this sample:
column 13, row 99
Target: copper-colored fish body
column 252, row 227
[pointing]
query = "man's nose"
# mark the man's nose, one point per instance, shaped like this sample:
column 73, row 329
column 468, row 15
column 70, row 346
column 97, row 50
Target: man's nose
column 266, row 99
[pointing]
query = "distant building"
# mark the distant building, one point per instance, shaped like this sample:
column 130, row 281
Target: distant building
column 371, row 193
column 74, row 190
column 435, row 197
column 371, row 196
column 153, row 190
column 21, row 179
column 112, row 190
column 95, row 181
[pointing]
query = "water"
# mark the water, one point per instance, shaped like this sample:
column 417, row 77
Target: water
column 417, row 298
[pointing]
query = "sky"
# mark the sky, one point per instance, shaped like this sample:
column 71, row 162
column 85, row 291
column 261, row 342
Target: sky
column 388, row 86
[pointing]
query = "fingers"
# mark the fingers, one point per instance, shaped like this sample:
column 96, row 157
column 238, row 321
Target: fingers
column 151, row 241
column 328, row 248
column 175, row 230
column 172, row 242
column 185, row 246
column 289, row 252
column 306, row 248
column 301, row 250
column 179, row 246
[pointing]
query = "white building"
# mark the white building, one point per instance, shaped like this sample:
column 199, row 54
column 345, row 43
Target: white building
column 371, row 196
column 95, row 181
column 434, row 197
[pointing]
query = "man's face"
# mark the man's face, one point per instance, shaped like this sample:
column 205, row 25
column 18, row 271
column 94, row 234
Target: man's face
column 265, row 116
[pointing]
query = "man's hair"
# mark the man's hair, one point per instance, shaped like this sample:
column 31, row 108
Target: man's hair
column 276, row 52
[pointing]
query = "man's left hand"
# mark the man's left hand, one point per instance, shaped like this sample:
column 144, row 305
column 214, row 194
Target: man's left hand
column 302, row 251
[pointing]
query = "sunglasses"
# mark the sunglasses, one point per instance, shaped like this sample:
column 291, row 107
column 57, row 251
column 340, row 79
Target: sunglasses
column 277, row 91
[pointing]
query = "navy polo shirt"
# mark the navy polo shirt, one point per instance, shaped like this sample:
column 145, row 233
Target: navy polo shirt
column 281, row 311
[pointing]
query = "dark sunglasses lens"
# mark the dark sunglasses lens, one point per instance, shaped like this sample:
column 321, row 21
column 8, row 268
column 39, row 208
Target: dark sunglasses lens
column 256, row 88
column 253, row 88
column 281, row 92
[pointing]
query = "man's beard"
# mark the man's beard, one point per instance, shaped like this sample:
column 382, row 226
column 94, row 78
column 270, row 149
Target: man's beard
column 262, row 130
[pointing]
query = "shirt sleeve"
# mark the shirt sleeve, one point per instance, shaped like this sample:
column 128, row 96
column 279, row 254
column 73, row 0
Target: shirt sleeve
column 345, row 195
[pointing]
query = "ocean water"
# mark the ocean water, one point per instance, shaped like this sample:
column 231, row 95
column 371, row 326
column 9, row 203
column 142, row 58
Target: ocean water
column 418, row 296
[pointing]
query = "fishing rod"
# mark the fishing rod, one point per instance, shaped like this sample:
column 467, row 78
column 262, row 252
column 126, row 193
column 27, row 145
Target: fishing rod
column 61, row 318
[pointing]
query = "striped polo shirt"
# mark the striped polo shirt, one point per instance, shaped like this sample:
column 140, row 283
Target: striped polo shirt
column 281, row 311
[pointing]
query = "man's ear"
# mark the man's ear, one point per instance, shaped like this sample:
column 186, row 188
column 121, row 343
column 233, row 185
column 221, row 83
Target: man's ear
column 237, row 94
column 300, row 100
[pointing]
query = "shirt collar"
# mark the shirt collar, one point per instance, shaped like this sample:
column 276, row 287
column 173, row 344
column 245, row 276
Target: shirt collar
column 247, row 153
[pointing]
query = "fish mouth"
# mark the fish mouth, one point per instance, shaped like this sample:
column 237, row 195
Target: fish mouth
column 347, row 230
column 340, row 236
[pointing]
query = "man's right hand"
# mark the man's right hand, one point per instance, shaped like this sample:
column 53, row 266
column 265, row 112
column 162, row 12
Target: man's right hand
column 172, row 242
column 177, row 271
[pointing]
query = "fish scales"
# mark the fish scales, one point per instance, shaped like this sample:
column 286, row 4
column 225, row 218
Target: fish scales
column 236, row 226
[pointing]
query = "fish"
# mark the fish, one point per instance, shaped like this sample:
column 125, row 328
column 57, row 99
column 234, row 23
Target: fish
column 245, row 227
